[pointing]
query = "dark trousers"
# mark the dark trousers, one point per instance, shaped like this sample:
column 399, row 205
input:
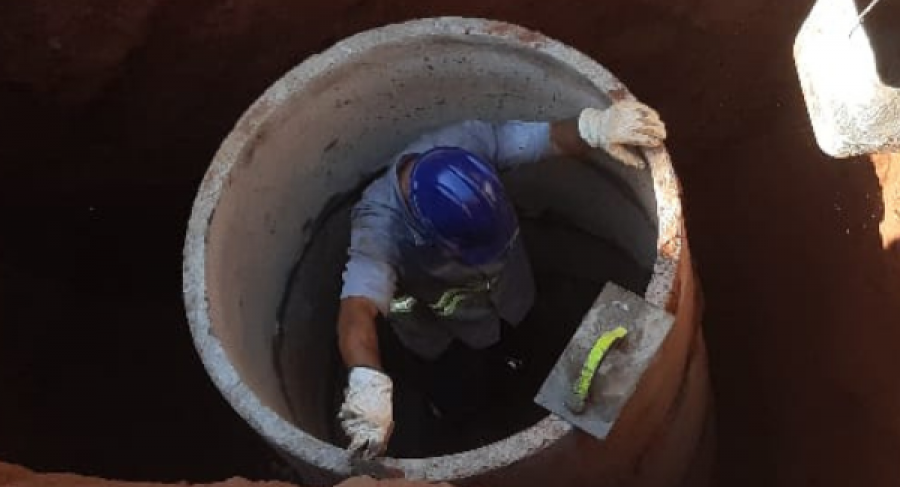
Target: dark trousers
column 434, row 397
column 454, row 383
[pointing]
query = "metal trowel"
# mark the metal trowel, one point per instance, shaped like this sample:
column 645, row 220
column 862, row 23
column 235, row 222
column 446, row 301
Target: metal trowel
column 603, row 363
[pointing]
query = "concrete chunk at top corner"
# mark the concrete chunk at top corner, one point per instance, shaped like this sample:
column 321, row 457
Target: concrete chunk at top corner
column 852, row 97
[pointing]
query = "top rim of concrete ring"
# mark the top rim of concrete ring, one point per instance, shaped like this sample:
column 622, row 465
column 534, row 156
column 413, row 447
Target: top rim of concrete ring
column 661, row 290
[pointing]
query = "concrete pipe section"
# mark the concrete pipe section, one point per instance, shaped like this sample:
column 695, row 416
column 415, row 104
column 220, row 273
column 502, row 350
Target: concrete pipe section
column 268, row 235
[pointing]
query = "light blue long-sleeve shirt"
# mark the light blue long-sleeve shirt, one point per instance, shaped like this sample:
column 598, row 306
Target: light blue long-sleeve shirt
column 388, row 259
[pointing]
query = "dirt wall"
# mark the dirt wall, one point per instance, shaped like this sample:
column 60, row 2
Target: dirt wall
column 111, row 111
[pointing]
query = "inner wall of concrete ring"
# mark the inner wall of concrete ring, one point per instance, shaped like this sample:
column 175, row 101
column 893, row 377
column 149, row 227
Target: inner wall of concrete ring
column 330, row 124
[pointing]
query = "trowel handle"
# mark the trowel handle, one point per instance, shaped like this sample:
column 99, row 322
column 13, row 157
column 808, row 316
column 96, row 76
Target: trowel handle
column 578, row 399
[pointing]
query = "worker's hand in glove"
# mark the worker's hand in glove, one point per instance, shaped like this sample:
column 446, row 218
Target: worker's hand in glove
column 623, row 124
column 367, row 413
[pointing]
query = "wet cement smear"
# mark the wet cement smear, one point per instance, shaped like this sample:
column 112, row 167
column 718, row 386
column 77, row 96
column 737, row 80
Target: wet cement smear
column 570, row 268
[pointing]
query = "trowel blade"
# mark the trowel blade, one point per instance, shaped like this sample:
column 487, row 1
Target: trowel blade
column 622, row 368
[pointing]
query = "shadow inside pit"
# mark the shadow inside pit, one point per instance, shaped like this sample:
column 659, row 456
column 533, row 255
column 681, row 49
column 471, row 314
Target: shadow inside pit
column 816, row 288
column 893, row 255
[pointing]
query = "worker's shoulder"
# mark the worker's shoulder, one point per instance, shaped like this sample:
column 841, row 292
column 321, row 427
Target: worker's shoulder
column 380, row 189
column 378, row 203
column 462, row 129
column 475, row 136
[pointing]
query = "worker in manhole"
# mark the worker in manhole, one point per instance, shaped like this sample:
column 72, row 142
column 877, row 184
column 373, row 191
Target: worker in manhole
column 436, row 270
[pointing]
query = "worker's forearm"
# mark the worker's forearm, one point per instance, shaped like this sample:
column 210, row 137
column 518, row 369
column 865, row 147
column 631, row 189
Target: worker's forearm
column 566, row 140
column 357, row 333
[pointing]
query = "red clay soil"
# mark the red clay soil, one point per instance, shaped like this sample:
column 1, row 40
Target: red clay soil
column 887, row 167
column 113, row 109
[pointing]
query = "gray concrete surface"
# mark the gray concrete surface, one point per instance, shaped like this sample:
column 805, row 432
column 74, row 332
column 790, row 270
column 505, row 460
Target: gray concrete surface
column 848, row 79
column 325, row 128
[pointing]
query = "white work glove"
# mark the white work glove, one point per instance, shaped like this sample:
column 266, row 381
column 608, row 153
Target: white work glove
column 367, row 413
column 626, row 123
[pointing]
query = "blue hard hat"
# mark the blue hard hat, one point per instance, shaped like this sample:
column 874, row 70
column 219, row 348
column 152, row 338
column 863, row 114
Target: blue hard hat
column 459, row 203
